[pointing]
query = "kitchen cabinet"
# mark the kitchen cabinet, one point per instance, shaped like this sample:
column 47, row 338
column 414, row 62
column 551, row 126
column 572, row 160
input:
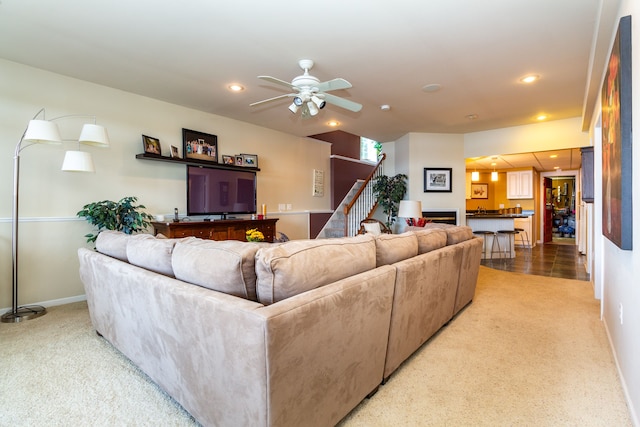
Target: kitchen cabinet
column 587, row 174
column 520, row 184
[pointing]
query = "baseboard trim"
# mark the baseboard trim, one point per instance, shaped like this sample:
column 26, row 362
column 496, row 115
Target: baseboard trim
column 54, row 302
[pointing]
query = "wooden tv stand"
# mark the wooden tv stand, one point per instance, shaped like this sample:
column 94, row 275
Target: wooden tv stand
column 223, row 229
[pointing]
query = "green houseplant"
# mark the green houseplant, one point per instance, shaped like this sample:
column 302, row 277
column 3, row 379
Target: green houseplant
column 388, row 191
column 123, row 215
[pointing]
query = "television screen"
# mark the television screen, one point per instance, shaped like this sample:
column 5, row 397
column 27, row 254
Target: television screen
column 220, row 191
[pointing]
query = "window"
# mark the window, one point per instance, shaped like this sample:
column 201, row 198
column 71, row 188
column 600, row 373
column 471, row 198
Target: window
column 369, row 149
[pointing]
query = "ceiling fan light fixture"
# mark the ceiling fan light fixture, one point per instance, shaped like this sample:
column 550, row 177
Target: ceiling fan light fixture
column 293, row 108
column 319, row 102
column 313, row 109
column 297, row 101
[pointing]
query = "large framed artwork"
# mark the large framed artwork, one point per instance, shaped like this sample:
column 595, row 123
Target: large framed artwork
column 437, row 180
column 200, row 145
column 616, row 141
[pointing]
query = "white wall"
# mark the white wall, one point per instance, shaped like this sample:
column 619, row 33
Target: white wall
column 50, row 233
column 552, row 135
column 619, row 270
column 416, row 151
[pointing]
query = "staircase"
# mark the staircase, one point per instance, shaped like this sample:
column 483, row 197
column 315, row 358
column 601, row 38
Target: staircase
column 357, row 205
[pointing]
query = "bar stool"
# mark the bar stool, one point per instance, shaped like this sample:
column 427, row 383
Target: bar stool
column 507, row 233
column 523, row 235
column 485, row 234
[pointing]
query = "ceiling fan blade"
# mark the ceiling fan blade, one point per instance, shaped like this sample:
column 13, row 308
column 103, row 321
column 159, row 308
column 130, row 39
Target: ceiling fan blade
column 273, row 99
column 278, row 82
column 341, row 102
column 334, row 84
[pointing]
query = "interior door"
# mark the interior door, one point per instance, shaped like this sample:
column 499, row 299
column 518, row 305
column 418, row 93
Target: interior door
column 548, row 211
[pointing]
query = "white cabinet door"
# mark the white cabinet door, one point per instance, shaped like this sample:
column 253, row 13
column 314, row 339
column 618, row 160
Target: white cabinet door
column 520, row 185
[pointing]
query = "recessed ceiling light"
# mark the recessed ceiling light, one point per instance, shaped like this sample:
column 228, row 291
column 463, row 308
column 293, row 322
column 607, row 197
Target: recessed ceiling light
column 471, row 116
column 553, row 156
column 528, row 79
column 541, row 117
column 333, row 123
column 433, row 87
column 235, row 87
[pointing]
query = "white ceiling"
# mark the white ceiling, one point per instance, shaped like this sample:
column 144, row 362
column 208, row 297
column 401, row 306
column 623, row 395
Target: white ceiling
column 188, row 52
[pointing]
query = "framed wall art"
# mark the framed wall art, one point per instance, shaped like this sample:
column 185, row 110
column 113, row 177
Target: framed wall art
column 617, row 209
column 437, row 180
column 174, row 151
column 151, row 145
column 479, row 191
column 228, row 160
column 200, row 145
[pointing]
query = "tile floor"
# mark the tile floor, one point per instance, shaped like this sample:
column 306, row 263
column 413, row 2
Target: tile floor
column 558, row 259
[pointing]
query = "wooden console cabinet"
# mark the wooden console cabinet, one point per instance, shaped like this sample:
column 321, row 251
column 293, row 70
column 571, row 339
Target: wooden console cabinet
column 224, row 229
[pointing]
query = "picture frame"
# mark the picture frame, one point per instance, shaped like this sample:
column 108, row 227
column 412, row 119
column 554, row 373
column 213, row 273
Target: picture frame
column 228, row 160
column 437, row 180
column 199, row 146
column 151, row 145
column 479, row 190
column 250, row 160
column 617, row 208
column 239, row 159
column 174, row 152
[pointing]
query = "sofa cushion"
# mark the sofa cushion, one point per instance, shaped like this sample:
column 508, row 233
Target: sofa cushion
column 153, row 254
column 224, row 266
column 430, row 239
column 458, row 234
column 114, row 243
column 298, row 266
column 391, row 248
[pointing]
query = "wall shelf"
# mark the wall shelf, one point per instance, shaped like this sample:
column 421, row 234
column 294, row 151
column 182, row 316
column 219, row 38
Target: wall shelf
column 192, row 162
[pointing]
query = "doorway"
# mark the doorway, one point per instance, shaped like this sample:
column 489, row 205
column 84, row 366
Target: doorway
column 560, row 209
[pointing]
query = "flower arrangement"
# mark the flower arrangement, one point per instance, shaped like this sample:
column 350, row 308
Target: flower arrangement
column 417, row 222
column 254, row 235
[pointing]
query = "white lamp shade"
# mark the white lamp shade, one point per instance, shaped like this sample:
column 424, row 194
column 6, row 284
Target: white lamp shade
column 94, row 135
column 77, row 161
column 475, row 176
column 494, row 176
column 42, row 131
column 410, row 209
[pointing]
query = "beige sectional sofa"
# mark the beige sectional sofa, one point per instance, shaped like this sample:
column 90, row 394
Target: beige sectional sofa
column 298, row 333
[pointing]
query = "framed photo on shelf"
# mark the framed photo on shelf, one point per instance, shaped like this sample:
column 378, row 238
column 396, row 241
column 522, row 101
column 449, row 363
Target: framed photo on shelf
column 479, row 191
column 151, row 145
column 200, row 146
column 250, row 160
column 174, row 152
column 437, row 180
column 239, row 160
column 228, row 160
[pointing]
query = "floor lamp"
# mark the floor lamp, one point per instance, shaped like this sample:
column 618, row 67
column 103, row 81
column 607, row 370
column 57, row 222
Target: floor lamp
column 46, row 131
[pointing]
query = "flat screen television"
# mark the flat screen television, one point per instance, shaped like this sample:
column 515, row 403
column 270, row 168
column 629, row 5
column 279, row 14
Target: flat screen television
column 220, row 191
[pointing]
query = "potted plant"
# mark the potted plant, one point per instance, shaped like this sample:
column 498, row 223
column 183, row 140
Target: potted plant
column 123, row 216
column 388, row 191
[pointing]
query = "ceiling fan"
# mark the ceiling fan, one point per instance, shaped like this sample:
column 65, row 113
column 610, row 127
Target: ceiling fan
column 309, row 94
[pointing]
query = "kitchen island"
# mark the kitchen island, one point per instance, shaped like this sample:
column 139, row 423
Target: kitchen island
column 495, row 222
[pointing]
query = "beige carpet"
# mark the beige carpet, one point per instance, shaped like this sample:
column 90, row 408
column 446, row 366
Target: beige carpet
column 529, row 351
